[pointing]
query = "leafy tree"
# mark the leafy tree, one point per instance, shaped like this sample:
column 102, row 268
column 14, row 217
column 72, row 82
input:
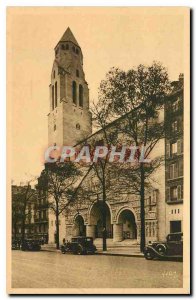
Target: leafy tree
column 59, row 180
column 137, row 96
column 102, row 166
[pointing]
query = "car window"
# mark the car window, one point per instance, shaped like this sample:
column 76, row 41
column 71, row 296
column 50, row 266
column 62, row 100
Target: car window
column 174, row 237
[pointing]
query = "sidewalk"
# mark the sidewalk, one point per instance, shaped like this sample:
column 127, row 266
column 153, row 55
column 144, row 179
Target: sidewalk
column 112, row 251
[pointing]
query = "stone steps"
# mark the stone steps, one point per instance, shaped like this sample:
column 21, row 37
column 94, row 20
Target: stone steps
column 112, row 244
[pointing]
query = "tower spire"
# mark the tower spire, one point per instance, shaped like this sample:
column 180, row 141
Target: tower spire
column 69, row 37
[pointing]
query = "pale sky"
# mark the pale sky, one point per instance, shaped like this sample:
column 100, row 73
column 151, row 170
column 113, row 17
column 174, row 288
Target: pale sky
column 117, row 37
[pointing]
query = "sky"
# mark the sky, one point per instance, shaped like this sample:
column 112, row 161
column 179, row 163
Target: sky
column 109, row 37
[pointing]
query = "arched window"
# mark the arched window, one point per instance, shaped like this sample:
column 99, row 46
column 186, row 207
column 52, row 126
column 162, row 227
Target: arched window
column 77, row 73
column 80, row 95
column 74, row 92
column 78, row 126
column 55, row 94
column 77, row 51
column 63, row 47
column 67, row 46
column 53, row 97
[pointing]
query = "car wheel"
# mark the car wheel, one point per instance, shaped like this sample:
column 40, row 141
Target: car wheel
column 161, row 249
column 149, row 255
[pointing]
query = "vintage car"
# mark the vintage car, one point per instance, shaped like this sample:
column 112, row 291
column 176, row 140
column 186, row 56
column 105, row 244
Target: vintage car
column 31, row 245
column 172, row 248
column 79, row 245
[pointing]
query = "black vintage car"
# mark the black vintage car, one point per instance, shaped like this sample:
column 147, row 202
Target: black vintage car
column 172, row 248
column 79, row 245
column 31, row 245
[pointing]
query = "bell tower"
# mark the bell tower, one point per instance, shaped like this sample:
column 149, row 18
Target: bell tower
column 69, row 119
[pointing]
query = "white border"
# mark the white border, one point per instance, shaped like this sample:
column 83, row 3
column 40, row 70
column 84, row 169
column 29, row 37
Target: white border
column 187, row 3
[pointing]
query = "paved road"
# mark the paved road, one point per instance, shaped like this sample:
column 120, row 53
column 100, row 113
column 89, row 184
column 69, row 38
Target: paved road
column 55, row 270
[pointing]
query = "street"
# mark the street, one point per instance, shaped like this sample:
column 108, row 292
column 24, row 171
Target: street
column 54, row 270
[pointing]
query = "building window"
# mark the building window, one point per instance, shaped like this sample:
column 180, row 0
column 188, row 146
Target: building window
column 175, row 226
column 170, row 171
column 180, row 146
column 173, row 171
column 54, row 127
column 56, row 94
column 78, row 126
column 74, row 92
column 63, row 47
column 150, row 203
column 174, row 193
column 53, row 97
column 179, row 192
column 174, row 148
column 175, row 126
column 180, row 168
column 67, row 46
column 80, row 95
column 77, row 51
column 77, row 73
column 74, row 49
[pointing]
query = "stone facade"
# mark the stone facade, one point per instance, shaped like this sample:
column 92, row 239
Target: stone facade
column 69, row 122
column 69, row 119
column 174, row 158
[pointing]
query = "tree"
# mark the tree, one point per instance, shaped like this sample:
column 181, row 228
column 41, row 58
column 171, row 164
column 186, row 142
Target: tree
column 137, row 96
column 102, row 165
column 59, row 180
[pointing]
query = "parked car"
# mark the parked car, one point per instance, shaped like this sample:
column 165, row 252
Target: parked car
column 172, row 248
column 31, row 245
column 79, row 245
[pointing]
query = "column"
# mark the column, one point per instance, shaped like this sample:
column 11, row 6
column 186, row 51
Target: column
column 90, row 231
column 117, row 232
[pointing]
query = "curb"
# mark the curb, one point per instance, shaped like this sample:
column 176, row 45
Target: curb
column 101, row 253
column 121, row 254
column 50, row 250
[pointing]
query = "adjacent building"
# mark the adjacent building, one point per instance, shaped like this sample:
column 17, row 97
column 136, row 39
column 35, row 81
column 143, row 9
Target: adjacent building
column 23, row 211
column 174, row 157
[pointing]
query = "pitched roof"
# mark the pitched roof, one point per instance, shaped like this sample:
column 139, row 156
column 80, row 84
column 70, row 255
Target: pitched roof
column 68, row 37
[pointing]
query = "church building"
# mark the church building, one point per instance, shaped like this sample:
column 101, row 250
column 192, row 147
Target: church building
column 69, row 122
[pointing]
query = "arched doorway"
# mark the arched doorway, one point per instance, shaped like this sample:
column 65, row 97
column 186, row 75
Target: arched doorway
column 127, row 221
column 96, row 219
column 79, row 226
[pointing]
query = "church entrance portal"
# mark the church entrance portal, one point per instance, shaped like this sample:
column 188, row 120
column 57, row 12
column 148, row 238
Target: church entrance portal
column 79, row 227
column 127, row 221
column 96, row 219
